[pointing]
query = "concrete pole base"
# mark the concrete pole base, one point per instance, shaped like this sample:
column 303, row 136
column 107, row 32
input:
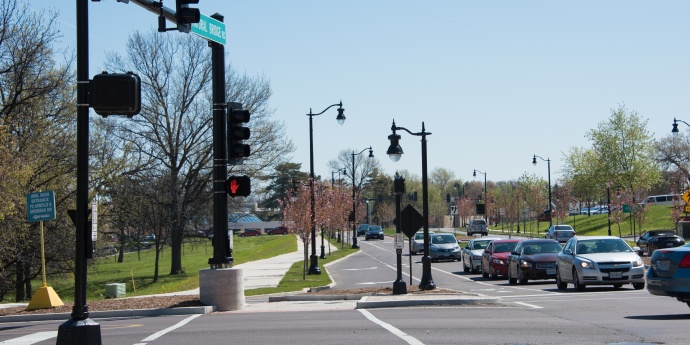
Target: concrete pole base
column 222, row 288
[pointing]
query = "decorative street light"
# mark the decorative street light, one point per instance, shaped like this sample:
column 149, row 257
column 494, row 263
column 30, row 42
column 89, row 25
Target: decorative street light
column 395, row 152
column 548, row 164
column 675, row 125
column 314, row 261
column 355, row 245
column 474, row 174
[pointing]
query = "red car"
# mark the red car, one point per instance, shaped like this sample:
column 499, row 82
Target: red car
column 495, row 257
column 281, row 230
column 251, row 232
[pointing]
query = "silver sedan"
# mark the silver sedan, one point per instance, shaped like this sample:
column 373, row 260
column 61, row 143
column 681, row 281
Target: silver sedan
column 472, row 254
column 598, row 260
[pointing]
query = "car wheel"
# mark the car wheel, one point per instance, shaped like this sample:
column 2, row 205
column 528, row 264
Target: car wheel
column 616, row 286
column 256, row 235
column 561, row 285
column 650, row 251
column 576, row 282
column 241, row 235
column 484, row 274
column 492, row 275
column 523, row 281
column 511, row 280
column 638, row 286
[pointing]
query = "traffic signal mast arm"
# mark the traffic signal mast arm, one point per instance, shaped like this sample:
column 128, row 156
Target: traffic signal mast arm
column 182, row 15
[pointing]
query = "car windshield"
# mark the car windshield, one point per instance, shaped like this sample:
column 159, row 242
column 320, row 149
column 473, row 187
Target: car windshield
column 540, row 248
column 505, row 247
column 420, row 235
column 480, row 244
column 443, row 238
column 564, row 227
column 602, row 246
column 375, row 229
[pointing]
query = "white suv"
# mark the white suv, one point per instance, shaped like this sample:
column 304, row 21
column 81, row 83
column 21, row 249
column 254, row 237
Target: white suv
column 477, row 226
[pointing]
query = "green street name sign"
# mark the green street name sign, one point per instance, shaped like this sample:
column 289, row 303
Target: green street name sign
column 210, row 29
column 40, row 206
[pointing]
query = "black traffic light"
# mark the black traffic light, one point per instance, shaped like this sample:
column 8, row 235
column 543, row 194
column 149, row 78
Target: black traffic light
column 116, row 94
column 239, row 186
column 186, row 15
column 237, row 133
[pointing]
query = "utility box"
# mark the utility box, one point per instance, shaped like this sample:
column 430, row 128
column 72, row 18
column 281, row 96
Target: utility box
column 114, row 290
column 683, row 229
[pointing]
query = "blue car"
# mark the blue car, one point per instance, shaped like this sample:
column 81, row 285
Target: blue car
column 373, row 232
column 669, row 274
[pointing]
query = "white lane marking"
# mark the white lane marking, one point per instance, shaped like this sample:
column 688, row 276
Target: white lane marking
column 529, row 305
column 31, row 338
column 359, row 269
column 374, row 283
column 158, row 334
column 390, row 328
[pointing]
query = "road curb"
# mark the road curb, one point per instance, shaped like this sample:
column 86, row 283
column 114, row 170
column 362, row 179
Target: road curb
column 371, row 302
column 111, row 313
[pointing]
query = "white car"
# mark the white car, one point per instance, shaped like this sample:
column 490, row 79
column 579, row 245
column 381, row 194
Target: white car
column 599, row 260
column 472, row 254
column 418, row 242
column 561, row 233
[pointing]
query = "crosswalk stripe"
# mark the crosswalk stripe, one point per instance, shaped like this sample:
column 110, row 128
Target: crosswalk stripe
column 31, row 338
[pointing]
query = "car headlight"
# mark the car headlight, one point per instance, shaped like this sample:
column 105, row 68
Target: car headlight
column 587, row 264
column 525, row 264
column 433, row 247
column 476, row 258
column 457, row 247
column 637, row 263
column 497, row 261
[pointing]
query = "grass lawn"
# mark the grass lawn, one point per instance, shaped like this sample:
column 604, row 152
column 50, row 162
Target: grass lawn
column 137, row 271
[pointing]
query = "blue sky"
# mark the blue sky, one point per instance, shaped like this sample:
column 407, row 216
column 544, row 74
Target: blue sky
column 494, row 81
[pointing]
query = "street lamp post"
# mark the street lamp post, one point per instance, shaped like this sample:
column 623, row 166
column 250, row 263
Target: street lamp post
column 474, row 174
column 395, row 152
column 548, row 164
column 314, row 261
column 355, row 245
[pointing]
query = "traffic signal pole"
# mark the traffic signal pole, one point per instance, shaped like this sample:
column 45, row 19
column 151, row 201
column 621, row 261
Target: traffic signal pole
column 222, row 253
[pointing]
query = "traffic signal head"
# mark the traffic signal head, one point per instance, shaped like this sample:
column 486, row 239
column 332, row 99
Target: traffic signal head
column 186, row 15
column 239, row 186
column 237, row 133
column 116, row 94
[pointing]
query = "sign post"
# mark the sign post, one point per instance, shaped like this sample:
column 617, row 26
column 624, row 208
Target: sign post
column 39, row 207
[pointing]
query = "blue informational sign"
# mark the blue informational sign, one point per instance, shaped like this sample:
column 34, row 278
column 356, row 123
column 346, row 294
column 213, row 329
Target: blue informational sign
column 40, row 206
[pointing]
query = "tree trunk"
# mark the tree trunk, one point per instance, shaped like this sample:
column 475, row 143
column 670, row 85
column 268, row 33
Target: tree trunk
column 19, row 282
column 27, row 276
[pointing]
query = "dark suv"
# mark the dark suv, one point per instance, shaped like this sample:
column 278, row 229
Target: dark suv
column 362, row 229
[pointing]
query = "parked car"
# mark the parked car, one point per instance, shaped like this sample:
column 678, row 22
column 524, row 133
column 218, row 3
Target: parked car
column 472, row 254
column 599, row 260
column 669, row 273
column 533, row 259
column 495, row 256
column 362, row 229
column 658, row 239
column 281, row 230
column 150, row 237
column 250, row 232
column 418, row 242
column 444, row 246
column 374, row 231
column 477, row 226
column 560, row 233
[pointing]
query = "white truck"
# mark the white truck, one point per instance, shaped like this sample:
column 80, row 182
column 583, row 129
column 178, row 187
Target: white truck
column 477, row 226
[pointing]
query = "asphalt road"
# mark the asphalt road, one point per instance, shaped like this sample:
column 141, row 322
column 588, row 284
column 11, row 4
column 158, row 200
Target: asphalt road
column 536, row 313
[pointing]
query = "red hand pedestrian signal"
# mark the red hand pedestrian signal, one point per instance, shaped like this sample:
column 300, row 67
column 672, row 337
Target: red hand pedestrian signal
column 239, row 186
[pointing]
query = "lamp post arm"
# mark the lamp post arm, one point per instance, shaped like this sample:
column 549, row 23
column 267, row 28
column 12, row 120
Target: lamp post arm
column 676, row 120
column 329, row 107
column 422, row 133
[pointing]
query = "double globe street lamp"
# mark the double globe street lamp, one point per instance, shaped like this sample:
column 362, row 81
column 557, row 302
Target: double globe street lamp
column 395, row 153
column 314, row 261
column 355, row 245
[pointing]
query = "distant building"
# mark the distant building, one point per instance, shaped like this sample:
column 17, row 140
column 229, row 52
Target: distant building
column 239, row 222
